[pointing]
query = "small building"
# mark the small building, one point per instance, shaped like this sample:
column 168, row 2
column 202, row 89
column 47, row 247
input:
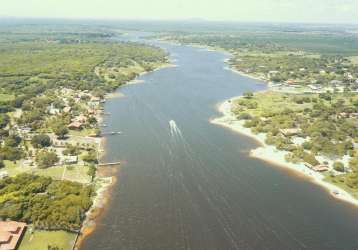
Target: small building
column 81, row 118
column 75, row 125
column 314, row 87
column 11, row 234
column 320, row 168
column 28, row 163
column 336, row 82
column 52, row 110
column 95, row 99
column 291, row 82
column 92, row 111
column 290, row 131
column 308, row 165
column 24, row 130
column 67, row 109
column 3, row 174
column 69, row 160
column 93, row 104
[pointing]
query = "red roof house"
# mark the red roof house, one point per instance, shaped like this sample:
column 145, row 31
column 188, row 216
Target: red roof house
column 11, row 233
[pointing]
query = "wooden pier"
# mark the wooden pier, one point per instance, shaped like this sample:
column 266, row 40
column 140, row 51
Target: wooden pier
column 108, row 164
column 111, row 133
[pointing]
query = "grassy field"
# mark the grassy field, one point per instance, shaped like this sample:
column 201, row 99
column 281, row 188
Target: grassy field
column 270, row 101
column 70, row 173
column 40, row 240
column 13, row 168
column 83, row 132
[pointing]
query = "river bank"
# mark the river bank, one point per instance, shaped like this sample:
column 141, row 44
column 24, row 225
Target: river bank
column 276, row 157
column 105, row 181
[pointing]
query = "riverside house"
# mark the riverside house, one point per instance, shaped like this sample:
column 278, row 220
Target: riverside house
column 11, row 233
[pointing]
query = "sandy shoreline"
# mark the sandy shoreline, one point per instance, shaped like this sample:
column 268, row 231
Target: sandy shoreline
column 230, row 68
column 276, row 157
column 104, row 187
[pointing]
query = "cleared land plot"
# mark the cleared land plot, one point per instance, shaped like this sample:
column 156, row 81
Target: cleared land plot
column 41, row 240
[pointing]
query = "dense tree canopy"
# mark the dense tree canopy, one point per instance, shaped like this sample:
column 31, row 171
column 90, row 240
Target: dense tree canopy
column 41, row 141
column 46, row 203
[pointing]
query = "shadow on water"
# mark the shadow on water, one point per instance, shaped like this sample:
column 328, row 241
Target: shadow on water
column 189, row 184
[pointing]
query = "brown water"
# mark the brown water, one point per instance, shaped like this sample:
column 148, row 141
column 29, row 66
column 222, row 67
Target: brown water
column 188, row 184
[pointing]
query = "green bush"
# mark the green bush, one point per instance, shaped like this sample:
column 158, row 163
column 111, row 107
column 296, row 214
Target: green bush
column 41, row 141
column 310, row 159
column 244, row 116
column 338, row 166
column 90, row 157
column 46, row 159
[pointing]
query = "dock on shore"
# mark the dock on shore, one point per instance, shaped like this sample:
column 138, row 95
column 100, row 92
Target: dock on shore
column 108, row 164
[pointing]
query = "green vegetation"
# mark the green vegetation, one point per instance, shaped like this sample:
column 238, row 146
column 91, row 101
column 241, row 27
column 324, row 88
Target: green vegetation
column 41, row 141
column 338, row 166
column 46, row 159
column 73, row 173
column 60, row 130
column 6, row 97
column 53, row 81
column 329, row 125
column 47, row 204
column 292, row 58
column 90, row 157
column 326, row 124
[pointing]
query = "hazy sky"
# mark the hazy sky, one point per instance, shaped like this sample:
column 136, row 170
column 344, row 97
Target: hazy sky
column 242, row 10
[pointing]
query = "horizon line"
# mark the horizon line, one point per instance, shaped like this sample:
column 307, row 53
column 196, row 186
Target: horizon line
column 193, row 19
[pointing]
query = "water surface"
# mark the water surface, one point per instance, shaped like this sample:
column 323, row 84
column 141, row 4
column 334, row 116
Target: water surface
column 189, row 184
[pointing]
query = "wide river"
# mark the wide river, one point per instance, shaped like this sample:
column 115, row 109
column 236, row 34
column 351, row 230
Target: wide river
column 189, row 184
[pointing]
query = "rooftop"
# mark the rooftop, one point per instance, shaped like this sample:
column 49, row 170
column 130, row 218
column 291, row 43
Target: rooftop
column 11, row 233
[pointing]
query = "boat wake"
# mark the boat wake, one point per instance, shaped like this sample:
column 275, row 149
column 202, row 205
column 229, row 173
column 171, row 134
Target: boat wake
column 174, row 130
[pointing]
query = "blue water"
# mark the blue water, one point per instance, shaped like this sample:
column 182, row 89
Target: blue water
column 189, row 184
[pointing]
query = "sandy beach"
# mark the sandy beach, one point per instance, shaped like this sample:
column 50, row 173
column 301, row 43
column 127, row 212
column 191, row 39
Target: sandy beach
column 230, row 68
column 276, row 157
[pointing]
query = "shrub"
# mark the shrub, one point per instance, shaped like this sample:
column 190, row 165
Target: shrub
column 13, row 141
column 310, row 159
column 90, row 157
column 60, row 130
column 41, row 141
column 248, row 95
column 244, row 116
column 338, row 166
column 46, row 159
